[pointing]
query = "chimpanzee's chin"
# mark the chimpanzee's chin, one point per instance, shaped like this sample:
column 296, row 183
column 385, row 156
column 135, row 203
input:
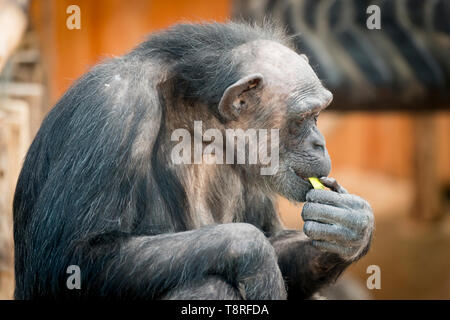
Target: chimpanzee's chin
column 301, row 195
column 298, row 194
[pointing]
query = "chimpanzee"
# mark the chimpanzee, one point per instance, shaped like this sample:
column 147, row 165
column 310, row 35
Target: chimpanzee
column 99, row 189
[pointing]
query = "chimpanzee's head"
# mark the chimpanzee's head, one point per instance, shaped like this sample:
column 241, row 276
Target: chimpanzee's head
column 250, row 78
column 279, row 89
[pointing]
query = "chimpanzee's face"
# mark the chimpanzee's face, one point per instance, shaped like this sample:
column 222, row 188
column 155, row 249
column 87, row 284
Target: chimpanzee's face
column 303, row 154
column 292, row 96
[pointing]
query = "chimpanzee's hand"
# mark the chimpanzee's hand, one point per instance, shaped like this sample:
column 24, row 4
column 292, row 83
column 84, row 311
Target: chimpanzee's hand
column 337, row 221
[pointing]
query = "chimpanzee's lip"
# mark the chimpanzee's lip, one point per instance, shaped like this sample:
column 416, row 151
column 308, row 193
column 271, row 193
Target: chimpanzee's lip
column 298, row 175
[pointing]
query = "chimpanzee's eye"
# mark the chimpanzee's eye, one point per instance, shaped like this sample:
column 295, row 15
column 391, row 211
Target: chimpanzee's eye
column 295, row 126
column 298, row 121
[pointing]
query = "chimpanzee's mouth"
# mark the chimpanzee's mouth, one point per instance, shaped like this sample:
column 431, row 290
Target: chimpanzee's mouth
column 299, row 176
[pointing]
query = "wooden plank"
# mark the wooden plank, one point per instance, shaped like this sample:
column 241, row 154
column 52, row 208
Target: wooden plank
column 13, row 22
column 427, row 204
column 14, row 142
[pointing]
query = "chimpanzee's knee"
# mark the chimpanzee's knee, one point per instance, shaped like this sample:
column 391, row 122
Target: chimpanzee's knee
column 248, row 245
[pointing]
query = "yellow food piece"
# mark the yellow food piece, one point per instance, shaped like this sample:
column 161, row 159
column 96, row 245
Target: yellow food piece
column 316, row 183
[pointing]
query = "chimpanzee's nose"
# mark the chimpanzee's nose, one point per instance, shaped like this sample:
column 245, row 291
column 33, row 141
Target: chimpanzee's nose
column 328, row 97
column 315, row 145
column 319, row 145
column 317, row 141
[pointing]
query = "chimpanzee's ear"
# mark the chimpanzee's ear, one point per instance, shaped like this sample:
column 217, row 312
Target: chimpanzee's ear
column 235, row 97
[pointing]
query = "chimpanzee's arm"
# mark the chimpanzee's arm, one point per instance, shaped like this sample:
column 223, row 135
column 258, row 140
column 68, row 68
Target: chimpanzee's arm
column 305, row 268
column 235, row 255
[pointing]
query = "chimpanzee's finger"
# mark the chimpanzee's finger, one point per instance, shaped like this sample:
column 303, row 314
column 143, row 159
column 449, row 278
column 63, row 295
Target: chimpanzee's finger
column 327, row 214
column 342, row 200
column 332, row 184
column 330, row 232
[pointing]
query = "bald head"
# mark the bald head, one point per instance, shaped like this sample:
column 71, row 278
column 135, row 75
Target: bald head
column 284, row 73
column 278, row 63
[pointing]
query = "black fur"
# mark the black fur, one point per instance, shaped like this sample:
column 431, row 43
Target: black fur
column 200, row 57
